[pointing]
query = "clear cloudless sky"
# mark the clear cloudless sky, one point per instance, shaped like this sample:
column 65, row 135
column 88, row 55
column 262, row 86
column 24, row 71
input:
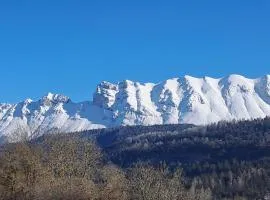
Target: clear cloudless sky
column 68, row 47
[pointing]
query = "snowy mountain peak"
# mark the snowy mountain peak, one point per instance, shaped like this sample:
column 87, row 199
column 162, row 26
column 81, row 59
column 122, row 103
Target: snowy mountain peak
column 55, row 98
column 235, row 77
column 28, row 101
column 178, row 100
column 125, row 84
column 105, row 94
column 267, row 77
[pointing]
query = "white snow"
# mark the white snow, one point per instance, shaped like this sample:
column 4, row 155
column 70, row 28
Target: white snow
column 179, row 100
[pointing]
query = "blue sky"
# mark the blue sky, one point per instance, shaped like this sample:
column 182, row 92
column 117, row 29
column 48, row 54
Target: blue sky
column 68, row 47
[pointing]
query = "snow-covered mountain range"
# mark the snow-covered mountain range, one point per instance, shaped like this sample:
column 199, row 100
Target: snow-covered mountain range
column 179, row 100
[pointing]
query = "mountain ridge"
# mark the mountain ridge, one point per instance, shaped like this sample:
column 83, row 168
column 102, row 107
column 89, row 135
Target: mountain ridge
column 178, row 100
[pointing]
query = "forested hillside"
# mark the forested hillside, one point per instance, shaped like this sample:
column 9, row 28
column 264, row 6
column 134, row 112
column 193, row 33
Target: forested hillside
column 218, row 161
column 68, row 167
column 230, row 158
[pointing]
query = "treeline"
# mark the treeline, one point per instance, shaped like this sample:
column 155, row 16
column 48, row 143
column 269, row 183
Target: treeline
column 69, row 167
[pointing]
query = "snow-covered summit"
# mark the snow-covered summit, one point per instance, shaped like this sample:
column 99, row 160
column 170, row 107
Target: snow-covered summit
column 179, row 100
column 55, row 98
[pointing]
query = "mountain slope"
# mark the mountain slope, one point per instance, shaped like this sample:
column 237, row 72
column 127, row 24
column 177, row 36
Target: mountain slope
column 179, row 100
